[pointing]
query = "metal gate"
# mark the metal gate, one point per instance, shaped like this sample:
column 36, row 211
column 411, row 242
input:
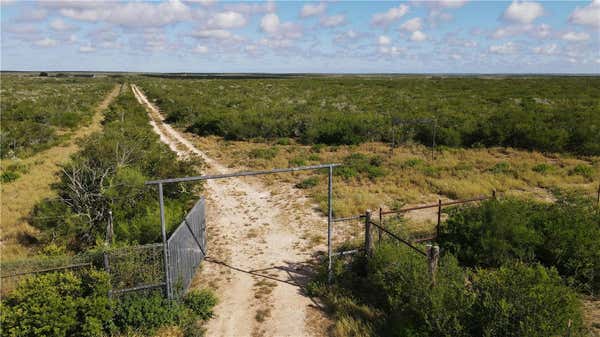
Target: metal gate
column 186, row 248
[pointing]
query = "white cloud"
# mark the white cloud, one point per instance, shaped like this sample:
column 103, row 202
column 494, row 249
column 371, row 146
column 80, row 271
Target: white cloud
column 219, row 34
column 550, row 49
column 456, row 57
column 383, row 40
column 450, row 3
column 393, row 50
column 131, row 14
column 523, row 11
column 412, row 25
column 46, row 42
column 251, row 8
column 228, row 19
column 313, row 10
column 87, row 49
column 200, row 49
column 540, row 31
column 333, row 21
column 61, row 26
column 576, row 36
column 32, row 14
column 418, row 36
column 588, row 15
column 21, row 29
column 507, row 48
column 271, row 25
column 393, row 14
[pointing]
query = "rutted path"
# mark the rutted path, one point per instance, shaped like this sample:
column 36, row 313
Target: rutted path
column 258, row 247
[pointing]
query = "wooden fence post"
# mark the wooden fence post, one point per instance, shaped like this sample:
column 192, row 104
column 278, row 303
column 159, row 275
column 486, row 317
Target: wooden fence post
column 368, row 236
column 494, row 194
column 433, row 255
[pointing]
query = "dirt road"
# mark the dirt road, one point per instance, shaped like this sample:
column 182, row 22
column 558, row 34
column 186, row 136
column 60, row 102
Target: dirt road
column 260, row 240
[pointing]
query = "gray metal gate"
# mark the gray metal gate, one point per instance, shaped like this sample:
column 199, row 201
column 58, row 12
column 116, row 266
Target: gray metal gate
column 186, row 248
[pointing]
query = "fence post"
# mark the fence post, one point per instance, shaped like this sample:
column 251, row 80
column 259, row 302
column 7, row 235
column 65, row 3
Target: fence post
column 439, row 220
column 368, row 237
column 433, row 255
column 380, row 225
column 107, row 244
column 329, row 222
column 164, row 239
column 494, row 194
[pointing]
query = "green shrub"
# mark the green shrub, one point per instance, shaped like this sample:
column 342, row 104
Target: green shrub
column 523, row 301
column 268, row 153
column 9, row 176
column 146, row 312
column 543, row 168
column 563, row 235
column 58, row 304
column 501, row 168
column 308, row 183
column 359, row 163
column 413, row 162
column 583, row 170
column 201, row 302
column 297, row 161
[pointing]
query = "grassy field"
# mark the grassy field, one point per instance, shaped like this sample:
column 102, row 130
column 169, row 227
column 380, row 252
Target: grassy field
column 379, row 178
column 38, row 173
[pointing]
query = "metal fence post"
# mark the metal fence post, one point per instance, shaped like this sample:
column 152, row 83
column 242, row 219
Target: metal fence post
column 164, row 238
column 439, row 219
column 329, row 222
column 379, row 234
column 368, row 236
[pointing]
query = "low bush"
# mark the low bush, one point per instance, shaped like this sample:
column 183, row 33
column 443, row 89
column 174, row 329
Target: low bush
column 563, row 235
column 9, row 176
column 308, row 183
column 358, row 163
column 268, row 153
column 58, row 304
column 391, row 295
column 77, row 304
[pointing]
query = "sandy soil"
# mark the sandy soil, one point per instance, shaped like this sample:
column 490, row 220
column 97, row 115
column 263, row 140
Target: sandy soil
column 262, row 242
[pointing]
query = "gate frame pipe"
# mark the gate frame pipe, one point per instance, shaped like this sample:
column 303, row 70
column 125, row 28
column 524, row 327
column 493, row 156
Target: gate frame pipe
column 241, row 174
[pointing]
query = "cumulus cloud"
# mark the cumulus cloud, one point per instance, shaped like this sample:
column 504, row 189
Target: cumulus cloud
column 333, row 20
column 220, row 34
column 313, row 10
column 412, row 25
column 392, row 15
column 523, row 12
column 200, row 49
column 539, row 31
column 576, row 36
column 252, row 8
column 506, row 48
column 448, row 3
column 87, row 49
column 228, row 19
column 418, row 36
column 130, row 14
column 271, row 25
column 393, row 50
column 383, row 40
column 588, row 15
column 46, row 42
column 32, row 14
column 550, row 49
column 60, row 25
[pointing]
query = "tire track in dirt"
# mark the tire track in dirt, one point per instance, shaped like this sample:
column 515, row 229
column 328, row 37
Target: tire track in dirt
column 258, row 249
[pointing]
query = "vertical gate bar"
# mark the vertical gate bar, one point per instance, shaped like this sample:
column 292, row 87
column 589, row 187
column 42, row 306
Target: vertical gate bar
column 439, row 220
column 380, row 225
column 164, row 239
column 329, row 222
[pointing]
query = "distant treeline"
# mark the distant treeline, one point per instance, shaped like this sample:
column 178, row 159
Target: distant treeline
column 554, row 114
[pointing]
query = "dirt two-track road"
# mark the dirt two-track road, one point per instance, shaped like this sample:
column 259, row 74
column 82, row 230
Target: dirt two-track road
column 259, row 243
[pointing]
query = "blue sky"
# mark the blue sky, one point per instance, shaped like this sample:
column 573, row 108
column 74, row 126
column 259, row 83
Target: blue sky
column 343, row 36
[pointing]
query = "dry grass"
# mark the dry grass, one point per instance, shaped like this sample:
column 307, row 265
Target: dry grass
column 454, row 174
column 20, row 196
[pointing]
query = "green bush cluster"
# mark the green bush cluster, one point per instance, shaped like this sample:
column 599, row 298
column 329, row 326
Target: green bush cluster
column 58, row 304
column 358, row 163
column 563, row 235
column 77, row 304
column 30, row 121
column 108, row 174
column 557, row 114
column 391, row 294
